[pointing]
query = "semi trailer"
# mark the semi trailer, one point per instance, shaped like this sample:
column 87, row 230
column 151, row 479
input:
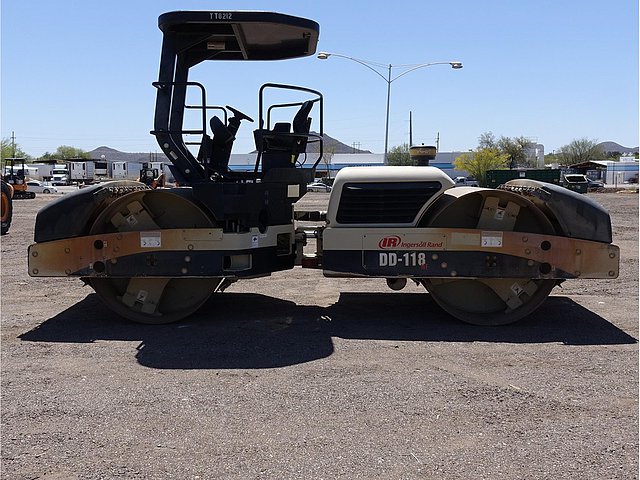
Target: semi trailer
column 487, row 256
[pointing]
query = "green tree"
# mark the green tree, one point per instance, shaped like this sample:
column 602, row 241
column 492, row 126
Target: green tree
column 579, row 151
column 550, row 158
column 477, row 163
column 66, row 152
column 399, row 155
column 7, row 150
column 487, row 140
column 516, row 150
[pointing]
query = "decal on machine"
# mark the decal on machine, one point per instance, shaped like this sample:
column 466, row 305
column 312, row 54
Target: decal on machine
column 491, row 239
column 150, row 239
column 407, row 241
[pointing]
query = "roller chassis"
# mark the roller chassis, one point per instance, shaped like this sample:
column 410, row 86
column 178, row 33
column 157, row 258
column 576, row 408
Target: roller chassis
column 487, row 256
column 514, row 264
column 432, row 253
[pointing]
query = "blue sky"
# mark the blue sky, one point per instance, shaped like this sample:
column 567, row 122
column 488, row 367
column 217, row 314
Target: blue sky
column 80, row 73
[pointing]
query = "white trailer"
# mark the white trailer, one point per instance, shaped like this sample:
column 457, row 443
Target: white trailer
column 101, row 169
column 41, row 171
column 125, row 170
column 28, row 171
column 82, row 171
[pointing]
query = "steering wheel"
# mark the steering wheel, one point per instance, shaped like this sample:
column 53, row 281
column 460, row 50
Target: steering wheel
column 239, row 115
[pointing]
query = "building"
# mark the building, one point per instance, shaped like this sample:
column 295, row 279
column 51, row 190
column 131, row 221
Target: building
column 331, row 165
column 621, row 172
column 610, row 172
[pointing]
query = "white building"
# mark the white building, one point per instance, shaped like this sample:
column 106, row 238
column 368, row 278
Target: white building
column 444, row 161
column 620, row 172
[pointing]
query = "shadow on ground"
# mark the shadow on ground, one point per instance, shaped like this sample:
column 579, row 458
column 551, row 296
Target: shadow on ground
column 239, row 330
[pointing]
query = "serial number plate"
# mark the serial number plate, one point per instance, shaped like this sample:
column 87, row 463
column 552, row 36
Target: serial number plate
column 402, row 259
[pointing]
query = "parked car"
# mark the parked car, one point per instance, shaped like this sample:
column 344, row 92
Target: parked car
column 318, row 187
column 465, row 182
column 594, row 185
column 38, row 187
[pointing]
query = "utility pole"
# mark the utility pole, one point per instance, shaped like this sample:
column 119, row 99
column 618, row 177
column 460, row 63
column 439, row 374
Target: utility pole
column 410, row 129
column 438, row 142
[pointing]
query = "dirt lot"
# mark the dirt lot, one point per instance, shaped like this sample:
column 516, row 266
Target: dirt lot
column 299, row 376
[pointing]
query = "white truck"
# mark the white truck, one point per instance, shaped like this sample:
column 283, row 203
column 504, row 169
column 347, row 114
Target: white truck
column 465, row 182
column 60, row 175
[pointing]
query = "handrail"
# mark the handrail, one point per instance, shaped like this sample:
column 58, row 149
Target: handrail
column 163, row 85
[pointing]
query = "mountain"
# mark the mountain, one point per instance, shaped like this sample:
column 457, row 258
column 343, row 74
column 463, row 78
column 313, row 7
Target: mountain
column 331, row 145
column 608, row 147
column 112, row 155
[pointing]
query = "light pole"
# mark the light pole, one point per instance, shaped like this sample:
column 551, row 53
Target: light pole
column 373, row 66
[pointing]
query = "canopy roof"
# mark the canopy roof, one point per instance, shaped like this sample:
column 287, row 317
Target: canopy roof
column 215, row 35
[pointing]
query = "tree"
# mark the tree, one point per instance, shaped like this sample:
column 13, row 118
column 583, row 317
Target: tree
column 487, row 140
column 550, row 158
column 579, row 151
column 399, row 155
column 516, row 150
column 8, row 150
column 477, row 163
column 66, row 152
column 328, row 152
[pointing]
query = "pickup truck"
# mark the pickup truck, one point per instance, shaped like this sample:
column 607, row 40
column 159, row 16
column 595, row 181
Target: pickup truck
column 465, row 182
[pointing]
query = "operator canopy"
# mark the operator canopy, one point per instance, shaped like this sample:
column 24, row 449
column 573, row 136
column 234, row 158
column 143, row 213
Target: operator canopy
column 239, row 35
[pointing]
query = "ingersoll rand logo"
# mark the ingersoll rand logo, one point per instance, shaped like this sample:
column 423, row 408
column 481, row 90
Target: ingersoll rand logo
column 392, row 241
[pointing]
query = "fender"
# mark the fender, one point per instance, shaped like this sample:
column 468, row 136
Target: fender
column 73, row 214
column 572, row 214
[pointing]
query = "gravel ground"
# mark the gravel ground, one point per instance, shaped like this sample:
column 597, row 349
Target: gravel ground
column 298, row 376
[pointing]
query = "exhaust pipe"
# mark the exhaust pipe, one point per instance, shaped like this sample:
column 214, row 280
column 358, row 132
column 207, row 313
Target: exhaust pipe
column 396, row 283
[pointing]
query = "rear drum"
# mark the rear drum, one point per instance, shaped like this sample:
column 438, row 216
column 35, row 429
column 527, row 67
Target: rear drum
column 489, row 301
column 144, row 299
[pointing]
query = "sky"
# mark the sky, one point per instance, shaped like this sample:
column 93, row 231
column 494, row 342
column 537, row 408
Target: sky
column 79, row 73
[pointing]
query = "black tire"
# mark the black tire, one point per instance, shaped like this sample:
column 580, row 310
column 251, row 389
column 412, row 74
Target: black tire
column 7, row 208
column 46, row 190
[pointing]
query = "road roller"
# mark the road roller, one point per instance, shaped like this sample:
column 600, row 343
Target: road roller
column 486, row 256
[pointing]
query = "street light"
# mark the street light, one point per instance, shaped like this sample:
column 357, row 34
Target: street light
column 374, row 66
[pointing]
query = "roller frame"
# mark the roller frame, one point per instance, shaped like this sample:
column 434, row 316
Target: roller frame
column 447, row 253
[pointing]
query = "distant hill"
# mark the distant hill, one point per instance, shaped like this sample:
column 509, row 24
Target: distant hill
column 610, row 147
column 113, row 155
column 331, row 145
